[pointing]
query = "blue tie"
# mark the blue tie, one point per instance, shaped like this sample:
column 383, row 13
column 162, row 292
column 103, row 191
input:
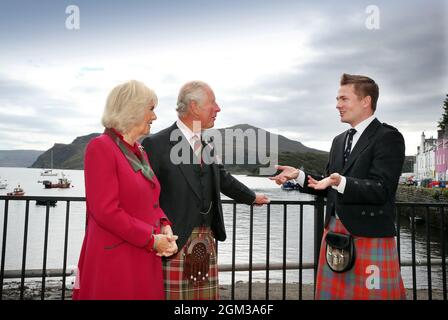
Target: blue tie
column 348, row 148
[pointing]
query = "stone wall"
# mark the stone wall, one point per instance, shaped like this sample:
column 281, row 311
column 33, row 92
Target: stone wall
column 426, row 195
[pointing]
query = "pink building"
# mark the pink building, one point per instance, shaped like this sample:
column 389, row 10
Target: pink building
column 441, row 156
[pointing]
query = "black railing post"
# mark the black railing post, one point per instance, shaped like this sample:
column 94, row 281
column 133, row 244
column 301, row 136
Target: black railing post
column 300, row 251
column 414, row 269
column 64, row 263
column 44, row 265
column 25, row 241
column 285, row 230
column 233, row 251
column 428, row 252
column 251, row 249
column 442, row 220
column 5, row 229
column 397, row 217
column 268, row 243
column 318, row 233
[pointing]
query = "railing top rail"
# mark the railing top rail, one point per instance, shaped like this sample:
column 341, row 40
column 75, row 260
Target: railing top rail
column 226, row 201
column 307, row 202
column 422, row 204
column 58, row 198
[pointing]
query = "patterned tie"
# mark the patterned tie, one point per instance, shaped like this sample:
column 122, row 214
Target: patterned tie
column 197, row 146
column 348, row 148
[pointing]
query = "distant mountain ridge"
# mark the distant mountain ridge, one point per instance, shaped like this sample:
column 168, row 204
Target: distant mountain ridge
column 18, row 158
column 71, row 156
column 65, row 156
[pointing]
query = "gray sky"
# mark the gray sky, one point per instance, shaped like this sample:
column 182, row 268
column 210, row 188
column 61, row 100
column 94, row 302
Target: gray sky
column 272, row 64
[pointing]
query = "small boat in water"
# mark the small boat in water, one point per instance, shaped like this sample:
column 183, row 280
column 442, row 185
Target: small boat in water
column 48, row 173
column 63, row 183
column 418, row 220
column 289, row 185
column 18, row 191
column 3, row 183
column 51, row 203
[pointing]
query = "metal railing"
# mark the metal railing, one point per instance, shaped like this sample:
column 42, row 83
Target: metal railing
column 432, row 211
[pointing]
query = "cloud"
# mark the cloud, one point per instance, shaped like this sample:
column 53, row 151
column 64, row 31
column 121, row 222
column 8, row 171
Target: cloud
column 27, row 110
column 276, row 66
column 407, row 59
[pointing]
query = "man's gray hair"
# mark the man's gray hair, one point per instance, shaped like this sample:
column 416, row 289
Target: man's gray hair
column 191, row 91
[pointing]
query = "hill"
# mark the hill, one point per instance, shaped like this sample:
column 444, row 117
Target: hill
column 18, row 158
column 65, row 156
column 71, row 156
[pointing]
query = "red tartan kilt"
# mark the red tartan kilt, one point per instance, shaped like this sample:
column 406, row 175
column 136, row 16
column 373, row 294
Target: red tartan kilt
column 375, row 275
column 177, row 286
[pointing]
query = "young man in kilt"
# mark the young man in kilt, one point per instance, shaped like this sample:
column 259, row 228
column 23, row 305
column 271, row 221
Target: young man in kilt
column 191, row 194
column 365, row 163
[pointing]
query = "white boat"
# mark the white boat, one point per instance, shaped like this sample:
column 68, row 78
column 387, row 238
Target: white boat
column 3, row 183
column 48, row 173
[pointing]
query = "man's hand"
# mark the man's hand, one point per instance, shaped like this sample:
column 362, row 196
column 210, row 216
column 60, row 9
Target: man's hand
column 287, row 173
column 333, row 180
column 261, row 199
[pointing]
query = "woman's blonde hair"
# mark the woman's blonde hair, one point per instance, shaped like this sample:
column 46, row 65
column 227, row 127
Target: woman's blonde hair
column 126, row 104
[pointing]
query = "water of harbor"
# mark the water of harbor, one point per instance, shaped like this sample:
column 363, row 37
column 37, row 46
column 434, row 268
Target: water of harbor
column 28, row 179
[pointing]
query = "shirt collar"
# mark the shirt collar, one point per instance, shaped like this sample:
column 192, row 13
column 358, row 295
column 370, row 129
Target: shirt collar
column 186, row 131
column 364, row 124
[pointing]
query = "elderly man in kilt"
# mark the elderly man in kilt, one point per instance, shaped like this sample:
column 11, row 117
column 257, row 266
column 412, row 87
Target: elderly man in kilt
column 192, row 182
column 358, row 257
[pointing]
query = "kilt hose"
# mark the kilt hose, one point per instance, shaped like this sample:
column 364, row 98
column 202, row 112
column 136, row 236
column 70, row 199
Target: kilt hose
column 177, row 286
column 374, row 276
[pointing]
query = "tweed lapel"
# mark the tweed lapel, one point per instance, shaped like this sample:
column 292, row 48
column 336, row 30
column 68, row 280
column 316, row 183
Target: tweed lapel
column 137, row 163
column 362, row 143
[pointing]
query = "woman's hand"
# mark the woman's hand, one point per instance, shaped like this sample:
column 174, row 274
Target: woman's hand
column 165, row 244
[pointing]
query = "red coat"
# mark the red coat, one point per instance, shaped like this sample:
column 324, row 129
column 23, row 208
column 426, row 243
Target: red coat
column 122, row 211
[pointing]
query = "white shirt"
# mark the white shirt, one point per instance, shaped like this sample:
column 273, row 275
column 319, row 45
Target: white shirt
column 360, row 128
column 187, row 133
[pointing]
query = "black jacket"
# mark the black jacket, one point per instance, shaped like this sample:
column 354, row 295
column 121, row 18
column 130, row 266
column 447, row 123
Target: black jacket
column 180, row 194
column 367, row 207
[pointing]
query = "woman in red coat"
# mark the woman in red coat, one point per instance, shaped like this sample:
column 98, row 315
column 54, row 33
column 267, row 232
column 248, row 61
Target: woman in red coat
column 127, row 232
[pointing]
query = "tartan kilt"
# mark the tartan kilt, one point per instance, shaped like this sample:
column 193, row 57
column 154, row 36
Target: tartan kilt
column 177, row 286
column 361, row 282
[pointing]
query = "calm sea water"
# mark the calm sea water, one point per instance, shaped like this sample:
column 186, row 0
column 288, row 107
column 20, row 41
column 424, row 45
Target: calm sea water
column 28, row 179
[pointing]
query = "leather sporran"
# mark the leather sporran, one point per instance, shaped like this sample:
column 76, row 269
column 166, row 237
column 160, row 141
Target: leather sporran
column 197, row 261
column 340, row 251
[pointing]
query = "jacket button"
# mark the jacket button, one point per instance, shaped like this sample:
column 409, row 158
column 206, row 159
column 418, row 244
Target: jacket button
column 379, row 184
column 381, row 211
column 356, row 182
column 372, row 214
column 363, row 213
